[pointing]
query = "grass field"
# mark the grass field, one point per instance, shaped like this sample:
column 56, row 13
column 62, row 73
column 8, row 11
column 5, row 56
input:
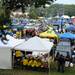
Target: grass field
column 68, row 71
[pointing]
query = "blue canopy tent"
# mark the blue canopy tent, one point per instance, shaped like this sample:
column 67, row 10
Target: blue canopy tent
column 67, row 35
column 19, row 27
column 70, row 28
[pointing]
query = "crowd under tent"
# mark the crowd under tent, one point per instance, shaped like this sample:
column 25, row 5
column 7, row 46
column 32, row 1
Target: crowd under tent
column 6, row 52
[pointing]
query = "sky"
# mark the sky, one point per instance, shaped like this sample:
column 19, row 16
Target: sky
column 65, row 1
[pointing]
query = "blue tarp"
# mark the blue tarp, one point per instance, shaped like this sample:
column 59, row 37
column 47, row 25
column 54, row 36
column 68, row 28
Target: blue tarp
column 16, row 27
column 67, row 35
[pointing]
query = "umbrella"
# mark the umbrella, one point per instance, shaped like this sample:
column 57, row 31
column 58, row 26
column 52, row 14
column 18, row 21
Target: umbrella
column 65, row 16
column 67, row 35
column 17, row 27
column 70, row 28
column 73, row 17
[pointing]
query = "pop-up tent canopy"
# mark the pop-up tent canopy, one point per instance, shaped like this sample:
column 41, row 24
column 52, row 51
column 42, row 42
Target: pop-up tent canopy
column 48, row 34
column 6, row 52
column 35, row 44
column 70, row 28
column 67, row 35
column 12, row 42
column 72, row 16
column 65, row 16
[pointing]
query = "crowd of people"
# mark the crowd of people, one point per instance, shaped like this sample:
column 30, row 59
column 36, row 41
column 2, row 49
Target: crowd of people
column 63, row 61
column 42, row 62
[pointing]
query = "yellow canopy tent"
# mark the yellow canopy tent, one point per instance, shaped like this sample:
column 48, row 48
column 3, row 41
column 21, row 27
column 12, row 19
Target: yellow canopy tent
column 48, row 34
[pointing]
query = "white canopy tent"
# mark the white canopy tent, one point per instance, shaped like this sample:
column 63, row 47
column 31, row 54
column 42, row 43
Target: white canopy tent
column 12, row 42
column 35, row 44
column 6, row 52
column 73, row 17
column 65, row 16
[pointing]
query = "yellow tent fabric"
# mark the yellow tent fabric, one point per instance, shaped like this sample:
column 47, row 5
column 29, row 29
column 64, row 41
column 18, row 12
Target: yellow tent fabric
column 49, row 34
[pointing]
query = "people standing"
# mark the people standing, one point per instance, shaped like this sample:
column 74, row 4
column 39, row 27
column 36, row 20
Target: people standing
column 67, row 60
column 61, row 63
column 57, row 56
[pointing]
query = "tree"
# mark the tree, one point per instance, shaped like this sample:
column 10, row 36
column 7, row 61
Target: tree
column 56, row 9
column 33, row 13
column 10, row 5
column 60, row 9
column 69, row 10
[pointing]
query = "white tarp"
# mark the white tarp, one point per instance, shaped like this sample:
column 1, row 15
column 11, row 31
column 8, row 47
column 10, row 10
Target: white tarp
column 6, row 52
column 5, row 58
column 35, row 44
column 12, row 42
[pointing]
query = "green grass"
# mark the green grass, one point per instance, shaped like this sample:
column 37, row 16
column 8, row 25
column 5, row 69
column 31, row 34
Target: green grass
column 68, row 71
column 21, row 72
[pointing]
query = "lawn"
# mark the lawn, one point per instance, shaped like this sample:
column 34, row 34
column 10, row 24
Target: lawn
column 68, row 71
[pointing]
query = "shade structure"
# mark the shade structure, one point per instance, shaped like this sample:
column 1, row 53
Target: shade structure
column 6, row 52
column 12, row 42
column 19, row 27
column 35, row 44
column 65, row 16
column 70, row 28
column 73, row 17
column 57, row 17
column 67, row 35
column 48, row 34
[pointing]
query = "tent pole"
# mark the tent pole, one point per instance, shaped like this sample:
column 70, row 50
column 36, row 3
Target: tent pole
column 25, row 54
column 13, row 51
column 49, row 63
